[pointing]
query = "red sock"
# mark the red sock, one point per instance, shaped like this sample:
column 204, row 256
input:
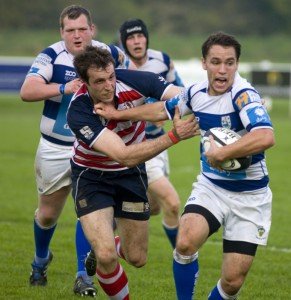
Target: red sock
column 118, row 247
column 115, row 285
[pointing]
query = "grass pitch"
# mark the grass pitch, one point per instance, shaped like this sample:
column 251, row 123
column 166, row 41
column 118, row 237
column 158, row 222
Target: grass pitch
column 269, row 277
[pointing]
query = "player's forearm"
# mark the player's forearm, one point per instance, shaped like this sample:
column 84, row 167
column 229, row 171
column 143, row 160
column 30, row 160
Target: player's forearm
column 149, row 112
column 139, row 153
column 36, row 91
column 253, row 142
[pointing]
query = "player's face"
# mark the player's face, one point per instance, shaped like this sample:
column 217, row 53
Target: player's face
column 77, row 34
column 136, row 44
column 221, row 65
column 101, row 85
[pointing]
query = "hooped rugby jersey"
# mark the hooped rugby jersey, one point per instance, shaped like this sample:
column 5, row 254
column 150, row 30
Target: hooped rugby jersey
column 241, row 110
column 159, row 63
column 55, row 65
column 132, row 88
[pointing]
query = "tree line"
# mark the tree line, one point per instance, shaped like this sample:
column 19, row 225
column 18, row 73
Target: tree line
column 183, row 17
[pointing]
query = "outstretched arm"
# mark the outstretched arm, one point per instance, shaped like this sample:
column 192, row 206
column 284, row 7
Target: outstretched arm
column 149, row 112
column 113, row 146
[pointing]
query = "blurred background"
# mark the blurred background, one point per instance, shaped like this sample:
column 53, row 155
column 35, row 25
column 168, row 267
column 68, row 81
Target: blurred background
column 177, row 27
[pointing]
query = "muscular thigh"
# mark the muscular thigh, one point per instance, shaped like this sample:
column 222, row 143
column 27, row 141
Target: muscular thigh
column 98, row 229
column 133, row 235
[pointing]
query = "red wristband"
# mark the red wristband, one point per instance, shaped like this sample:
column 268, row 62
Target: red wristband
column 173, row 137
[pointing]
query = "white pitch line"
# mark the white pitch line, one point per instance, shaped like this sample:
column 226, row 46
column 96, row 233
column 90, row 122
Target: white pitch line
column 267, row 248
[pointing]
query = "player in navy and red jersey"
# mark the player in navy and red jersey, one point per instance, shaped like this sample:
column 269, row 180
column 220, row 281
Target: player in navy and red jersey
column 52, row 78
column 134, row 37
column 108, row 174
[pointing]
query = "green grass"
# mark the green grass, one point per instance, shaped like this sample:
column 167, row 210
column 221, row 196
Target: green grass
column 269, row 277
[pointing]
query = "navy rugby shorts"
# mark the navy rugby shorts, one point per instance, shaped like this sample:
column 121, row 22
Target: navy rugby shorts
column 124, row 190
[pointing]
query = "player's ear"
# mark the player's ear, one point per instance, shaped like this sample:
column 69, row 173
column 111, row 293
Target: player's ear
column 94, row 30
column 203, row 62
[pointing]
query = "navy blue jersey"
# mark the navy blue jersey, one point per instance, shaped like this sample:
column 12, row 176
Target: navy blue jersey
column 132, row 88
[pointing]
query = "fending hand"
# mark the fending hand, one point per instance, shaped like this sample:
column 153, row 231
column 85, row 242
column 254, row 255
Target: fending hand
column 185, row 128
column 105, row 110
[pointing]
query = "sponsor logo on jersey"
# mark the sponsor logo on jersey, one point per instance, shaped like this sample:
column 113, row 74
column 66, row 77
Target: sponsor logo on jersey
column 70, row 75
column 246, row 98
column 258, row 115
column 87, row 132
column 226, row 122
column 43, row 59
column 33, row 70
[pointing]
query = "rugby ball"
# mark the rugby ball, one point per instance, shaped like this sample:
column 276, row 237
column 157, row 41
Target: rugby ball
column 224, row 136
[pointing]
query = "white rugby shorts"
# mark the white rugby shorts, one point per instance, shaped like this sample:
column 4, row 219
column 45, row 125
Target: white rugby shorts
column 245, row 216
column 158, row 167
column 52, row 167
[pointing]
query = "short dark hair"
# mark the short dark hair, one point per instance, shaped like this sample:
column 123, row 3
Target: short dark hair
column 92, row 57
column 222, row 39
column 73, row 12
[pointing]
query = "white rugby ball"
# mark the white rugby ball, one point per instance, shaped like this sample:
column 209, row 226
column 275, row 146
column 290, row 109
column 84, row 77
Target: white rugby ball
column 224, row 136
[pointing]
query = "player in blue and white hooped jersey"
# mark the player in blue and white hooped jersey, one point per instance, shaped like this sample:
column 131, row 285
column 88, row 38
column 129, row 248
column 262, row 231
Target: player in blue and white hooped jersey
column 240, row 201
column 108, row 172
column 52, row 78
column 134, row 37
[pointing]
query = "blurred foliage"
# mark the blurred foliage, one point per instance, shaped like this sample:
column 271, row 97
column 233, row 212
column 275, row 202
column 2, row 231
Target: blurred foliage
column 176, row 26
column 260, row 17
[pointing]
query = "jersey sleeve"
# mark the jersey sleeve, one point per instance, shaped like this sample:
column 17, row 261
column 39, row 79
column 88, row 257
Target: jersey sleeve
column 121, row 59
column 251, row 110
column 43, row 65
column 148, row 84
column 85, row 125
column 181, row 100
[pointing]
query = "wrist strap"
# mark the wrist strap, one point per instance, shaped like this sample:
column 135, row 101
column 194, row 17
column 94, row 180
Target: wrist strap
column 62, row 88
column 173, row 137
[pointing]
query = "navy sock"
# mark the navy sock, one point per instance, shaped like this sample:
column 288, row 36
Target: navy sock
column 42, row 238
column 171, row 234
column 185, row 275
column 82, row 247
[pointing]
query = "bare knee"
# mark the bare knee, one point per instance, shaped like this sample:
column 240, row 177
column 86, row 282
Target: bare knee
column 185, row 246
column 173, row 208
column 137, row 259
column 106, row 257
column 155, row 209
column 231, row 286
column 45, row 218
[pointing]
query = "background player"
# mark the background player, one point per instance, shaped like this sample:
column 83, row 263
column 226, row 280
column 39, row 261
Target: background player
column 134, row 38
